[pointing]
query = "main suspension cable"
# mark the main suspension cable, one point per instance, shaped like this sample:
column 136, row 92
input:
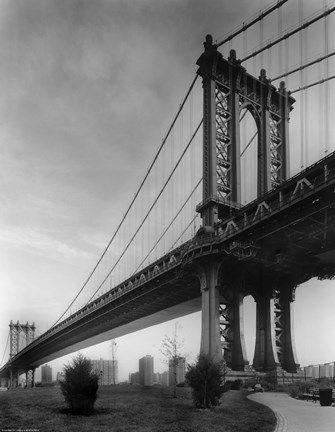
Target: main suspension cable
column 313, row 62
column 134, row 198
column 313, row 84
column 252, row 22
column 170, row 224
column 5, row 349
column 289, row 34
column 149, row 211
column 181, row 235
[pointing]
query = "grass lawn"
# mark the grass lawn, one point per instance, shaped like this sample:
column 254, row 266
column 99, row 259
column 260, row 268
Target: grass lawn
column 131, row 408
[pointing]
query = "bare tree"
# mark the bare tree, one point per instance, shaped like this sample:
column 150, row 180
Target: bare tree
column 171, row 350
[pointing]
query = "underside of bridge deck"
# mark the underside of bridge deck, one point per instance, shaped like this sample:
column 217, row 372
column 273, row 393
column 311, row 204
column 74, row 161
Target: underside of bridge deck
column 164, row 299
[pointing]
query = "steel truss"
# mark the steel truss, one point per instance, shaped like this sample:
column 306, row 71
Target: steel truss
column 15, row 331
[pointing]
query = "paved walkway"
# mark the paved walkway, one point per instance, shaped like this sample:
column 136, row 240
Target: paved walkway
column 296, row 415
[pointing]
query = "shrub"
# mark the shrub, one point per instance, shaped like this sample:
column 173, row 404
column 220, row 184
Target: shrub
column 237, row 384
column 205, row 379
column 298, row 388
column 269, row 381
column 80, row 385
column 233, row 385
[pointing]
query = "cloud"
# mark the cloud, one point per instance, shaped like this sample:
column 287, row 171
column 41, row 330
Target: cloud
column 41, row 243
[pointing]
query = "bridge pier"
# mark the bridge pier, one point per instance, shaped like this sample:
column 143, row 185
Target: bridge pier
column 232, row 321
column 222, row 316
column 266, row 357
column 224, row 284
column 274, row 326
column 210, row 325
column 287, row 355
column 30, row 377
column 4, row 382
column 13, row 377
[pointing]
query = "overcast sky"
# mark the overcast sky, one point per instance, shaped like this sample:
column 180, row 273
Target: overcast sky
column 88, row 90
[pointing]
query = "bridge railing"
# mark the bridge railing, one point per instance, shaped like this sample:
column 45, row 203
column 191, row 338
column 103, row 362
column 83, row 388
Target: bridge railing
column 164, row 264
column 302, row 185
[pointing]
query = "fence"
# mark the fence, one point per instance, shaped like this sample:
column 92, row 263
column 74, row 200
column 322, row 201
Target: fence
column 326, row 370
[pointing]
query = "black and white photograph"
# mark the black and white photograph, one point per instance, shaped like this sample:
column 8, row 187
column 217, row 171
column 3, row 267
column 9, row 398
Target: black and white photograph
column 167, row 215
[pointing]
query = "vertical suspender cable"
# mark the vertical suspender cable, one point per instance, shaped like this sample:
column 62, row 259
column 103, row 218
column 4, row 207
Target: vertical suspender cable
column 133, row 200
column 151, row 189
column 4, row 353
column 157, row 209
column 172, row 200
column 164, row 209
column 245, row 43
column 243, row 132
column 192, row 157
column 286, row 61
column 261, row 38
column 280, row 30
column 181, row 180
column 306, row 124
column 302, row 106
column 326, row 86
column 153, row 204
column 245, row 26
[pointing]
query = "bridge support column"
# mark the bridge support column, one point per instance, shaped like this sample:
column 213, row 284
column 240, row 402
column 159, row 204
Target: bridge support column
column 13, row 377
column 232, row 324
column 274, row 326
column 30, row 378
column 265, row 358
column 239, row 356
column 210, row 329
column 4, row 382
column 287, row 355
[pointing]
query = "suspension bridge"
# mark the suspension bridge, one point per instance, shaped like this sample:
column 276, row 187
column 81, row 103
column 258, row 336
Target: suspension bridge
column 239, row 203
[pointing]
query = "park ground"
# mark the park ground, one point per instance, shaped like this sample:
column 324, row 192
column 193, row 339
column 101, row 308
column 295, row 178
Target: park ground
column 133, row 409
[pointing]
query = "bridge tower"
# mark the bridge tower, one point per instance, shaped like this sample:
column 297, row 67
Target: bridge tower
column 227, row 90
column 16, row 333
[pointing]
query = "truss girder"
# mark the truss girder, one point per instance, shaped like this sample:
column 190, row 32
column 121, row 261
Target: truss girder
column 226, row 329
column 223, row 137
column 16, row 331
column 276, row 154
column 278, row 324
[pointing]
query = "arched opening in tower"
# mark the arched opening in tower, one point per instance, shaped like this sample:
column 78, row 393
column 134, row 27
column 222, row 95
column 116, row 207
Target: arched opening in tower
column 313, row 310
column 248, row 154
column 250, row 326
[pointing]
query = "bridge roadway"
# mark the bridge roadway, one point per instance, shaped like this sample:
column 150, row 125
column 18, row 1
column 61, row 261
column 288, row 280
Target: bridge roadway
column 289, row 230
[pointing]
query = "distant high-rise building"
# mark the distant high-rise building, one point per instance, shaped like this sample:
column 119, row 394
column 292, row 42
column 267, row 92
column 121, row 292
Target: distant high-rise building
column 165, row 378
column 46, row 374
column 107, row 371
column 309, row 371
column 157, row 378
column 176, row 371
column 146, row 370
column 330, row 370
column 134, row 378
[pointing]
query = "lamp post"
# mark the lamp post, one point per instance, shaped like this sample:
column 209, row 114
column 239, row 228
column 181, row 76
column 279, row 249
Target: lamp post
column 114, row 348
